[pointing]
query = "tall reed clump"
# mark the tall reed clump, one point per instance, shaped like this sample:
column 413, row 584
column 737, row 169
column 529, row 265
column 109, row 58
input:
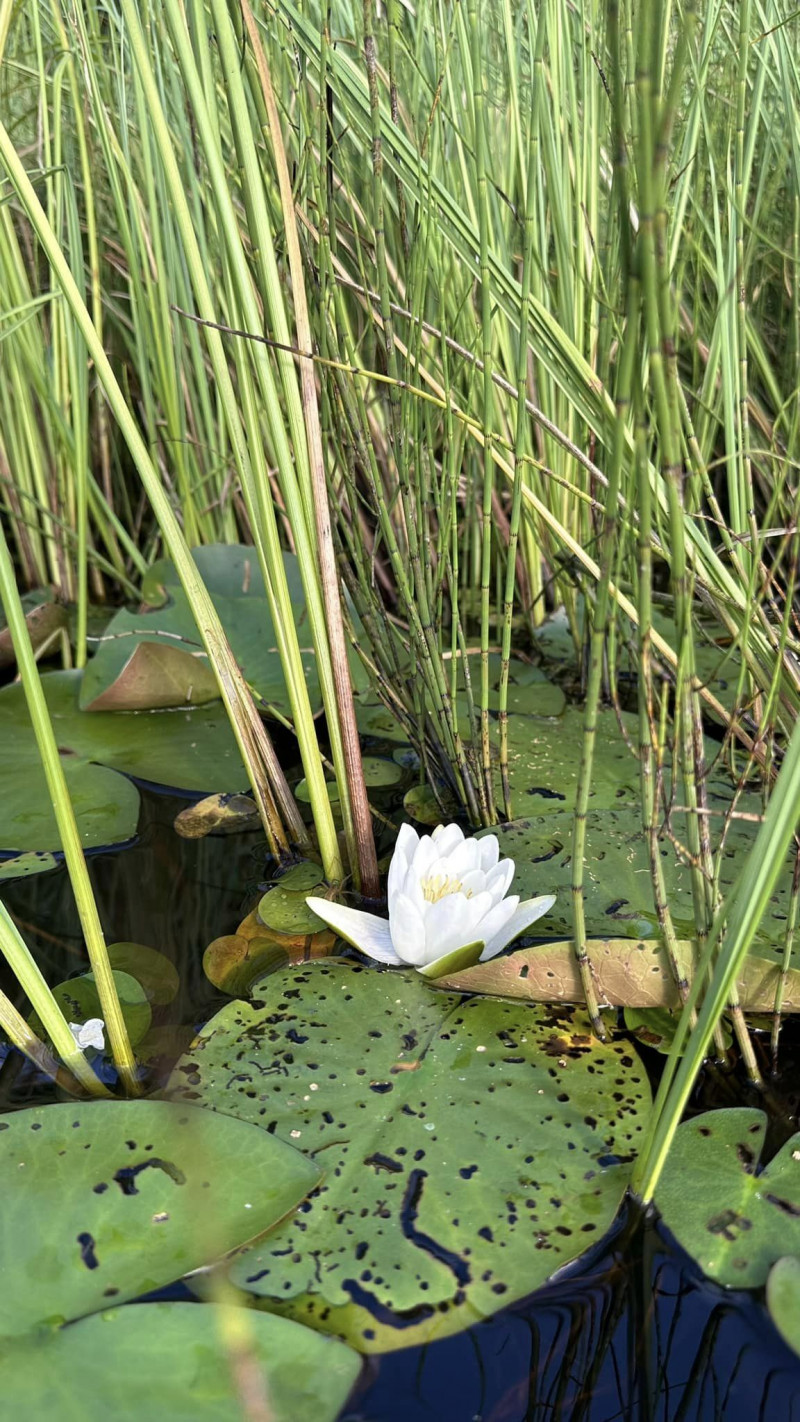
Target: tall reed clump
column 482, row 310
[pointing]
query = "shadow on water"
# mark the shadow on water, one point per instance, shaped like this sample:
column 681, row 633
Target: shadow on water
column 632, row 1333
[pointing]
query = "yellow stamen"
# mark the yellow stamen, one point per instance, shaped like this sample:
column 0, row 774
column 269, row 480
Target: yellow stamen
column 440, row 886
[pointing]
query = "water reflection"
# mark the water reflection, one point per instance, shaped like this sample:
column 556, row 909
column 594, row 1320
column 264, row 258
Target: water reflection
column 635, row 1332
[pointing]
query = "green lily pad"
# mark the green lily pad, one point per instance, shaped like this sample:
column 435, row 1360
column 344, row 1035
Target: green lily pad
column 421, row 805
column 733, row 1218
column 79, row 1001
column 154, row 657
column 122, row 1197
column 190, row 750
column 152, row 970
column 783, row 1299
column 21, row 866
column 616, row 880
column 379, row 774
column 443, row 1128
column 287, row 912
column 173, row 1360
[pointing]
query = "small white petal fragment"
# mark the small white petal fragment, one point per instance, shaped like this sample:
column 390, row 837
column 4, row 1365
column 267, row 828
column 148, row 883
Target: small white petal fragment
column 89, row 1034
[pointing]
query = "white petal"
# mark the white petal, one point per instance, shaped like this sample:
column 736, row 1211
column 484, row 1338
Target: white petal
column 89, row 1033
column 423, row 855
column 408, row 930
column 496, row 919
column 464, row 858
column 365, row 931
column 474, row 882
column 397, row 872
column 407, row 840
column 446, row 837
column 498, row 880
column 490, row 851
column 524, row 916
column 448, row 925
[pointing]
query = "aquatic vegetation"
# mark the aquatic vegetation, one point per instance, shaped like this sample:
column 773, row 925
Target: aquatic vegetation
column 448, row 904
column 470, row 1147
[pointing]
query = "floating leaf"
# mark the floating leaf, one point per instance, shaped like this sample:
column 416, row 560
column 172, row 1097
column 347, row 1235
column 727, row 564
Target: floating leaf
column 467, row 1157
column 154, row 657
column 379, row 774
column 21, row 866
column 217, row 814
column 79, row 1001
column 234, row 962
column 616, row 879
column 122, row 1197
column 151, row 969
column 285, row 912
column 734, row 1221
column 45, row 619
column 627, row 973
column 173, row 1360
column 422, row 805
column 783, row 1299
column 189, row 750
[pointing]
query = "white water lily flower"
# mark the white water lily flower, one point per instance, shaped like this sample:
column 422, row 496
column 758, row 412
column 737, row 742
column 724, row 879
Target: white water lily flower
column 447, row 904
column 89, row 1034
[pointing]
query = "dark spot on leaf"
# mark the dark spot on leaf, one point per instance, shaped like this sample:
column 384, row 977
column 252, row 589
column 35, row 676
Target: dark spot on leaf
column 381, row 1087
column 125, row 1177
column 384, row 1162
column 467, row 1172
column 408, row 1217
column 88, row 1256
column 787, row 1206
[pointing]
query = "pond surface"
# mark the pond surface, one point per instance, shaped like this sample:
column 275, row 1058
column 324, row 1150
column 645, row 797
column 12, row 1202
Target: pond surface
column 633, row 1331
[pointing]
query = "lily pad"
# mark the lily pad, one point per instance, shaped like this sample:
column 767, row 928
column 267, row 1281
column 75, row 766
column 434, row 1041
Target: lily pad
column 157, row 976
column 122, row 1197
column 154, row 657
column 79, row 1001
column 421, row 804
column 379, row 774
column 45, row 619
column 21, row 866
column 628, row 972
column 783, row 1299
column 616, row 879
column 188, row 750
column 172, row 1360
column 467, row 1155
column 234, row 962
column 217, row 814
column 734, row 1217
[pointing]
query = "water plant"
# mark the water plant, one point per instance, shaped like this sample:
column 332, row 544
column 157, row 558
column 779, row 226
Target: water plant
column 399, row 419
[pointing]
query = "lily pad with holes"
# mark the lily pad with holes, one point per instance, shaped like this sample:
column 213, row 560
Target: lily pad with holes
column 189, row 750
column 107, row 1200
column 22, row 866
column 174, row 1360
column 616, row 878
column 628, row 972
column 733, row 1217
column 468, row 1154
column 79, row 1001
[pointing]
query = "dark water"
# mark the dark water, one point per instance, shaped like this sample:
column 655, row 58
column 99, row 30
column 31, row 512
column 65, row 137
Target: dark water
column 632, row 1331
